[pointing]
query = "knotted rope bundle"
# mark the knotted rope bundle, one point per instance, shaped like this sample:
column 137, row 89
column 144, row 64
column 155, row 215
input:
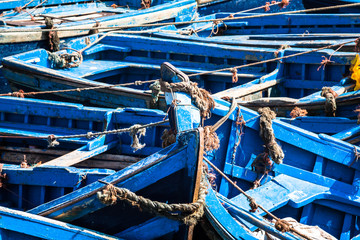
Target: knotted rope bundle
column 267, row 135
column 298, row 112
column 330, row 103
column 168, row 137
column 135, row 133
column 200, row 97
column 188, row 213
column 66, row 60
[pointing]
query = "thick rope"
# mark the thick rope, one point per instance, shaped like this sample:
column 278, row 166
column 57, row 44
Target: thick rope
column 357, row 110
column 200, row 97
column 330, row 103
column 298, row 112
column 54, row 40
column 168, row 137
column 188, row 213
column 267, row 135
column 185, row 22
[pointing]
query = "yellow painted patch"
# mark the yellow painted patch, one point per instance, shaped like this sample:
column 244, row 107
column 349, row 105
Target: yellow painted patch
column 355, row 71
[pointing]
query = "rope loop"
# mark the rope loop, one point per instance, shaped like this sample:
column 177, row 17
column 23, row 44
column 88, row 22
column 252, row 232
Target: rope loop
column 136, row 133
column 324, row 62
column 298, row 112
column 253, row 205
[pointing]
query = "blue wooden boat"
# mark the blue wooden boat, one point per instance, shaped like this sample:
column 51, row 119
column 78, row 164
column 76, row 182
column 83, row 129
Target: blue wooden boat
column 298, row 82
column 123, row 59
column 172, row 175
column 312, row 178
column 21, row 225
column 75, row 14
column 26, row 125
column 294, row 30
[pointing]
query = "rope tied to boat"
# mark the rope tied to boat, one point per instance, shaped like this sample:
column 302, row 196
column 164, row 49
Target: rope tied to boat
column 357, row 110
column 155, row 92
column 330, row 103
column 135, row 133
column 284, row 4
column 54, row 40
column 282, row 225
column 19, row 94
column 325, row 61
column 188, row 213
column 145, row 4
column 267, row 135
column 200, row 97
column 168, row 137
column 298, row 112
column 234, row 76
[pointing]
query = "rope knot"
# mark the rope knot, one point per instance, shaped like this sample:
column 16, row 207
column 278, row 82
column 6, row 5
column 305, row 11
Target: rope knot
column 155, row 91
column 137, row 133
column 234, row 76
column 138, row 83
column 324, row 62
column 330, row 103
column 356, row 156
column 298, row 112
column 211, row 139
column 52, row 141
column 19, row 94
column 267, row 7
column 18, row 9
column 89, row 135
column 168, row 137
column 253, row 205
column 282, row 225
column 284, row 4
column 78, row 90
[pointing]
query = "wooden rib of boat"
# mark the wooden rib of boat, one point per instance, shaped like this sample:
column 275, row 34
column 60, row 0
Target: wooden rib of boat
column 120, row 59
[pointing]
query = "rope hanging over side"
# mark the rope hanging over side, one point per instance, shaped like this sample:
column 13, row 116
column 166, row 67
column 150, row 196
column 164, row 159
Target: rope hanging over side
column 136, row 133
column 155, row 92
column 267, row 135
column 298, row 112
column 188, row 213
column 3, row 176
column 168, row 137
column 330, row 103
column 54, row 40
column 357, row 110
column 200, row 97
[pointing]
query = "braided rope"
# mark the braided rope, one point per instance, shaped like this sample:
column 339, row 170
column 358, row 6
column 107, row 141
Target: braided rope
column 188, row 213
column 267, row 134
column 330, row 103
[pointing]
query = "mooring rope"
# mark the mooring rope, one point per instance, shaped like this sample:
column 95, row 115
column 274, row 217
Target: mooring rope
column 188, row 213
column 280, row 224
column 185, row 22
column 267, row 135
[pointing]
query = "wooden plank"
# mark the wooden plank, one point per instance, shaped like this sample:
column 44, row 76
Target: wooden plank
column 242, row 92
column 80, row 155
